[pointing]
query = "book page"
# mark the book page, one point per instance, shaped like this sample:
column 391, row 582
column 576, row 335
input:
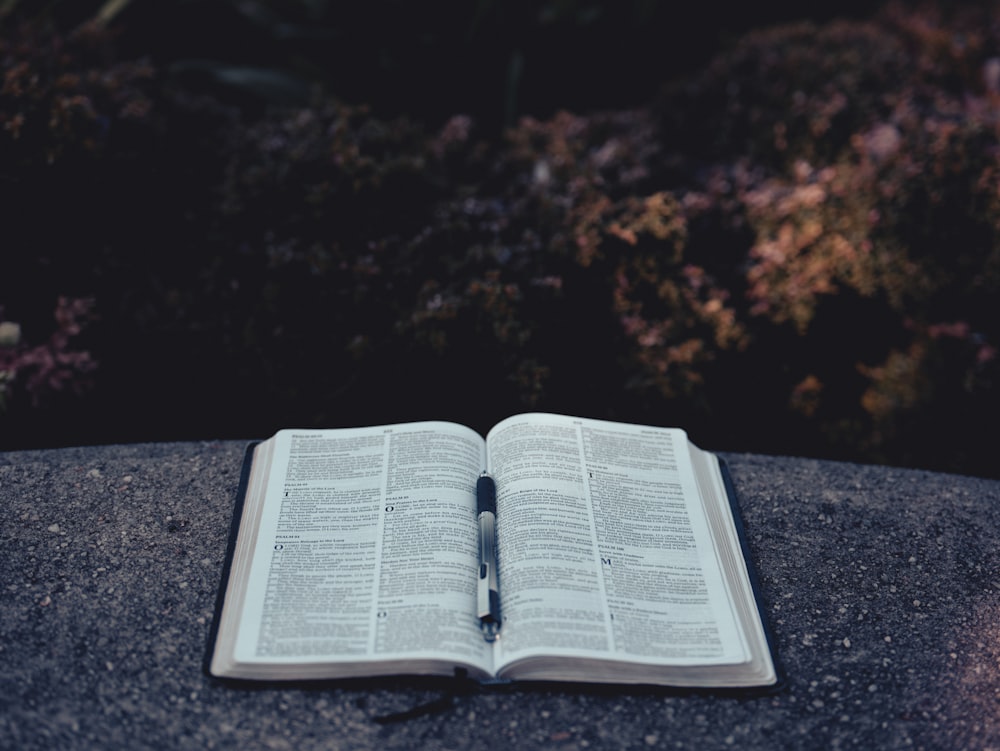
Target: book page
column 367, row 549
column 604, row 549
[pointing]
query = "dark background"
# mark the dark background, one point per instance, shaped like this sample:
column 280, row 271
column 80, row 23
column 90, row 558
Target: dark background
column 168, row 328
column 493, row 60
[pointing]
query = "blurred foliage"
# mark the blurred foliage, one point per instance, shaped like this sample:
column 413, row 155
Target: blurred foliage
column 44, row 371
column 792, row 248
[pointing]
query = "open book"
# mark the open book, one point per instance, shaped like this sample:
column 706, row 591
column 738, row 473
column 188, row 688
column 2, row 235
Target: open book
column 355, row 553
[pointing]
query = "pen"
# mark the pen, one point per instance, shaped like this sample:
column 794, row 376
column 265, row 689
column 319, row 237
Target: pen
column 488, row 590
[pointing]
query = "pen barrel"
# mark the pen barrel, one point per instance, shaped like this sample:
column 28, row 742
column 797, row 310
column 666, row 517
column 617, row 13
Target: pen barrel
column 494, row 619
column 486, row 495
column 488, row 548
column 488, row 586
column 488, row 590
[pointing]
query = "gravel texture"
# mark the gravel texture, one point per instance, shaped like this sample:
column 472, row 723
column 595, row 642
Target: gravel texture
column 881, row 586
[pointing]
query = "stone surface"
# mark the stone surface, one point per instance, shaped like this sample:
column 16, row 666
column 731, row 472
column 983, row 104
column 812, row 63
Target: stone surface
column 881, row 585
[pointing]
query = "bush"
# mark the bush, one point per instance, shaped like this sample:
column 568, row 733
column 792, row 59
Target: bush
column 43, row 371
column 793, row 249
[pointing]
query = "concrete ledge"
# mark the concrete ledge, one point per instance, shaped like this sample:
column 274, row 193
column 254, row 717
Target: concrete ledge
column 882, row 587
